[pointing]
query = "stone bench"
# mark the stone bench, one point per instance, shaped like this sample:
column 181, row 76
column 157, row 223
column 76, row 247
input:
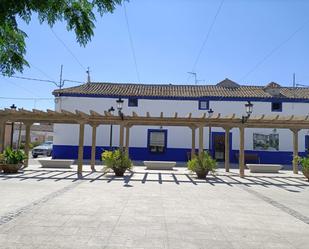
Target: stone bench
column 56, row 163
column 264, row 168
column 159, row 165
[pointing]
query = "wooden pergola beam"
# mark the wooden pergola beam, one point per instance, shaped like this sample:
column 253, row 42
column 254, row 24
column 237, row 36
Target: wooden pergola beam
column 50, row 116
column 95, row 114
column 68, row 113
column 107, row 114
column 38, row 111
column 82, row 114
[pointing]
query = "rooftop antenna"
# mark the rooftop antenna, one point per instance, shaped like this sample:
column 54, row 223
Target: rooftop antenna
column 195, row 77
column 88, row 75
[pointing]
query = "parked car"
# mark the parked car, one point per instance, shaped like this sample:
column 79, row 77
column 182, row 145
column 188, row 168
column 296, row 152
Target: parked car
column 44, row 149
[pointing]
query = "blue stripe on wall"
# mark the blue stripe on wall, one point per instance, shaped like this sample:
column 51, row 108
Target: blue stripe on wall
column 136, row 153
column 71, row 152
column 171, row 154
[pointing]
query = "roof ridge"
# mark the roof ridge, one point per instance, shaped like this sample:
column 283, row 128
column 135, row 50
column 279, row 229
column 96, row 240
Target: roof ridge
column 147, row 84
column 169, row 84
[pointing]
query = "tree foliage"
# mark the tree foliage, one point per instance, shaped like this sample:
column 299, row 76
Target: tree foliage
column 79, row 16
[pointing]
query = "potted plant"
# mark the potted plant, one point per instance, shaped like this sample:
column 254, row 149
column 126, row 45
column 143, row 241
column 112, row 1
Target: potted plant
column 202, row 164
column 1, row 161
column 304, row 162
column 12, row 160
column 116, row 160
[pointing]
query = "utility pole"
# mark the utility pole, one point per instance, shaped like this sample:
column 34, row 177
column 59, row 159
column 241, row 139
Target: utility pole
column 195, row 76
column 294, row 84
column 88, row 75
column 60, row 80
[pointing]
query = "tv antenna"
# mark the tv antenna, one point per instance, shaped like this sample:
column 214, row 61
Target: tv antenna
column 195, row 76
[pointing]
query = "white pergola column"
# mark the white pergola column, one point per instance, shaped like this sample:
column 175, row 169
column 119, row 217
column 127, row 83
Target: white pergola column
column 193, row 142
column 127, row 145
column 2, row 133
column 81, row 148
column 295, row 149
column 201, row 140
column 93, row 146
column 121, row 136
column 241, row 151
column 227, row 149
column 27, row 143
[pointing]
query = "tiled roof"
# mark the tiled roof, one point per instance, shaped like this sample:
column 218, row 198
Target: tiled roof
column 178, row 91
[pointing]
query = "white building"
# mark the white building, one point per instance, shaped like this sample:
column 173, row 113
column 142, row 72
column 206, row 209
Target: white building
column 38, row 133
column 174, row 143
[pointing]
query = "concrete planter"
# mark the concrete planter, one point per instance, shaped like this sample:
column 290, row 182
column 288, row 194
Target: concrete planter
column 202, row 174
column 11, row 168
column 119, row 172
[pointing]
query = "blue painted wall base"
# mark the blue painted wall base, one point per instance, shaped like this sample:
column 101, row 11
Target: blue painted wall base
column 170, row 154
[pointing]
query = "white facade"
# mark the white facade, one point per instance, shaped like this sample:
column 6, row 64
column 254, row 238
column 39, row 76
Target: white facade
column 177, row 137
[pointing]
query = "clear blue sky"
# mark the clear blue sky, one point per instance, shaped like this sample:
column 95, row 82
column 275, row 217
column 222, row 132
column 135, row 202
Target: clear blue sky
column 167, row 37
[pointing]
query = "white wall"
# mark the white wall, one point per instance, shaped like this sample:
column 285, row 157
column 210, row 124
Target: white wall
column 34, row 135
column 178, row 137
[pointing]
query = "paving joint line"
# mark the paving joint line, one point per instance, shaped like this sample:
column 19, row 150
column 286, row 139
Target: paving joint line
column 278, row 205
column 28, row 208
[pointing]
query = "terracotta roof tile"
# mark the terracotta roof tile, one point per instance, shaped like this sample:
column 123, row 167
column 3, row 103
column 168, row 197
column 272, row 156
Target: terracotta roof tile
column 176, row 91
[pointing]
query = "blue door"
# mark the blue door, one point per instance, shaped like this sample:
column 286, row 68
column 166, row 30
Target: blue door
column 218, row 145
column 307, row 144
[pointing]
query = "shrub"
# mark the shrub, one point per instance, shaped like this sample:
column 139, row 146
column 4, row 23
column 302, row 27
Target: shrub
column 14, row 156
column 116, row 160
column 202, row 164
column 2, row 158
column 304, row 162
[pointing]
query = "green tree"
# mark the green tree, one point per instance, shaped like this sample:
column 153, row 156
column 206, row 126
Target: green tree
column 79, row 16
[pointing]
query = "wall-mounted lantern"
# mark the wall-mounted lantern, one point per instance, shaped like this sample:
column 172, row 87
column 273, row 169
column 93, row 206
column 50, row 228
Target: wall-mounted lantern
column 249, row 109
column 119, row 102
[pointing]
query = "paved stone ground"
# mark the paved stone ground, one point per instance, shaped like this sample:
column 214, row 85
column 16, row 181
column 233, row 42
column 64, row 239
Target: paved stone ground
column 44, row 208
